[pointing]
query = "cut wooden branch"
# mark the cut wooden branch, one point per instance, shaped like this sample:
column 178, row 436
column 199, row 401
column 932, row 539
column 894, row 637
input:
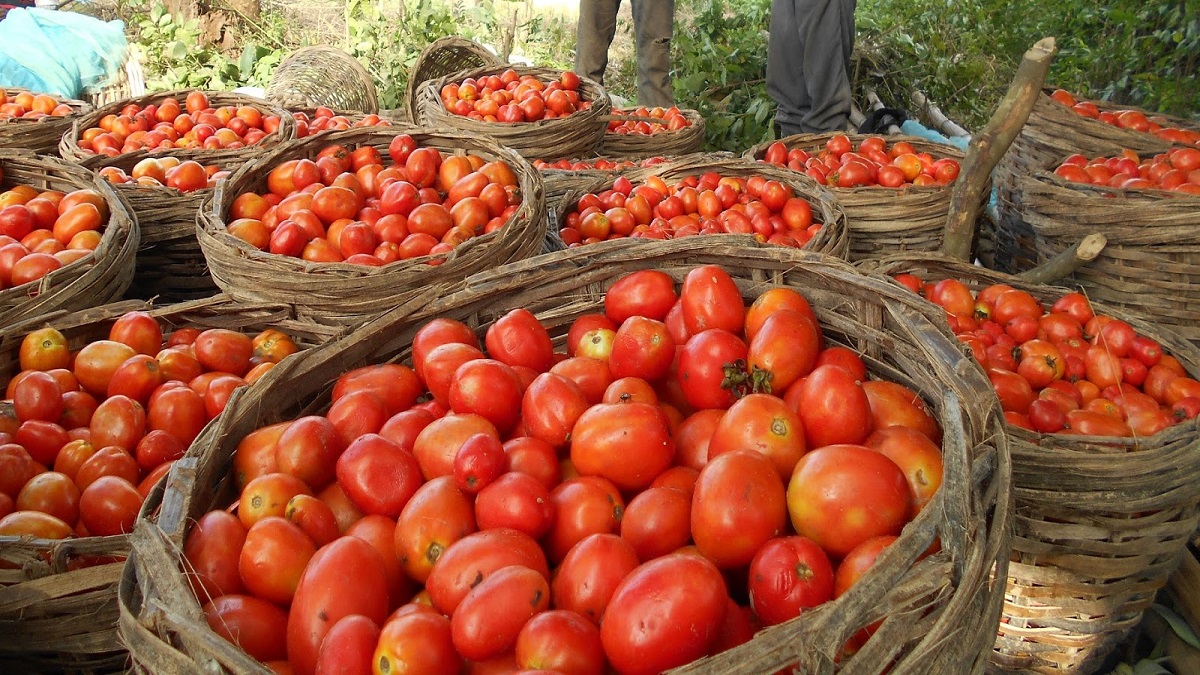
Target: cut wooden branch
column 988, row 146
column 935, row 115
column 1071, row 259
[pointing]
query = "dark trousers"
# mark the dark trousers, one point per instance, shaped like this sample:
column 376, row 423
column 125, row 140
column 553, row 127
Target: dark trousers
column 808, row 64
column 653, row 21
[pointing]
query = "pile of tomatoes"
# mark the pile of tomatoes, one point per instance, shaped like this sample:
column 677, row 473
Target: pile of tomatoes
column 1066, row 370
column 31, row 106
column 688, row 471
column 672, row 120
column 513, row 98
column 1129, row 119
column 599, row 164
column 705, row 204
column 324, row 119
column 166, row 125
column 1178, row 170
column 873, row 162
column 182, row 175
column 41, row 231
column 92, row 431
column 347, row 206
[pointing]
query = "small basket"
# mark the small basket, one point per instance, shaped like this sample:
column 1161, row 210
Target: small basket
column 128, row 82
column 342, row 292
column 575, row 135
column 883, row 221
column 1100, row 522
column 442, row 57
column 942, row 610
column 56, row 616
column 99, row 277
column 40, row 135
column 322, row 76
column 683, row 141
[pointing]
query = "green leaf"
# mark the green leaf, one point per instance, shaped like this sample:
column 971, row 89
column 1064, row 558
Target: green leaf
column 1177, row 623
column 1147, row 667
column 176, row 50
column 249, row 57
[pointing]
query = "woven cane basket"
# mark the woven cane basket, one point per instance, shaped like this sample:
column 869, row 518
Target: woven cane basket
column 941, row 611
column 39, row 135
column 348, row 292
column 322, row 76
column 557, row 184
column 883, row 221
column 99, row 277
column 442, row 57
column 683, row 141
column 1100, row 523
column 575, row 135
column 58, row 609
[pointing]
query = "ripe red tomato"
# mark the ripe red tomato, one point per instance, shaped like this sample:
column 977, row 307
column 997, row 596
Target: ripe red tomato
column 703, row 363
column 349, row 646
column 43, row 440
column 489, row 619
column 417, row 643
column 440, row 441
column 738, row 504
column 255, row 625
column 857, row 563
column 517, row 501
column 479, row 461
column 893, row 403
column 438, row 515
column 582, row 506
column 518, row 339
column 648, row 293
column 917, row 457
column 435, row 334
column 268, row 495
column 787, row 576
column 488, row 388
column 273, row 558
column 785, row 346
column 139, row 330
column 441, row 363
column 711, row 299
column 395, row 385
column 642, row 348
column 37, row 396
column 561, row 641
column 834, row 407
column 474, row 558
column 178, row 411
column 50, row 492
column 378, row 475
column 628, row 444
column 308, row 449
column 551, row 408
column 592, row 376
column 765, row 424
column 224, row 350
column 16, row 468
column 313, row 516
column 657, row 522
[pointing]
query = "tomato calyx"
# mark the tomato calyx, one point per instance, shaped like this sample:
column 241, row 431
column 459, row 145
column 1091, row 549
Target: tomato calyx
column 741, row 382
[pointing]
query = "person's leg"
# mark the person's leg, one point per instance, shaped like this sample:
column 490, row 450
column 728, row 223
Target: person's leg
column 593, row 36
column 653, row 23
column 785, row 59
column 828, row 35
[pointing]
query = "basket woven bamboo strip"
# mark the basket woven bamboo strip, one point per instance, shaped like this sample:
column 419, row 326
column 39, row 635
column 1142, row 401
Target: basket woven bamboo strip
column 1100, row 523
column 883, row 221
column 575, row 135
column 350, row 293
column 322, row 76
column 39, row 135
column 442, row 57
column 942, row 611
column 68, row 147
column 99, row 277
column 683, row 141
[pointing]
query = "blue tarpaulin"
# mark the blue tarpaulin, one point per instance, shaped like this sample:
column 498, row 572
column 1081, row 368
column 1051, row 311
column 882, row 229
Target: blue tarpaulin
column 60, row 53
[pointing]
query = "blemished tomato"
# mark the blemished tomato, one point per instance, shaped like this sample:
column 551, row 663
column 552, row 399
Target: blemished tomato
column 583, row 506
column 657, row 521
column 628, row 444
column 473, row 558
column 765, row 424
column 488, row 388
column 438, row 515
column 641, row 348
column 711, row 299
column 702, row 367
column 486, row 623
column 417, row 643
column 518, row 339
column 787, row 576
column 917, row 457
column 785, row 346
column 648, row 293
column 257, row 626
column 378, row 475
column 516, row 501
column 842, row 495
column 551, row 407
column 834, row 407
column 314, row 517
column 343, row 578
column 739, row 503
column 687, row 596
column 348, row 647
column 561, row 641
column 590, row 573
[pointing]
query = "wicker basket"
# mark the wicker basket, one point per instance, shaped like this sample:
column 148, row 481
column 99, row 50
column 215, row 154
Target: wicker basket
column 99, row 277
column 881, row 220
column 40, row 135
column 69, row 148
column 128, row 82
column 942, row 610
column 576, row 135
column 663, row 143
column 346, row 292
column 322, row 76
column 831, row 240
column 442, row 57
column 1100, row 523
column 56, row 616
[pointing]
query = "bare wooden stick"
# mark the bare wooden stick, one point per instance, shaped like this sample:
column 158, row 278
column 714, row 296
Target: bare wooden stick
column 1185, row 584
column 1066, row 262
column 937, row 117
column 877, row 104
column 988, row 146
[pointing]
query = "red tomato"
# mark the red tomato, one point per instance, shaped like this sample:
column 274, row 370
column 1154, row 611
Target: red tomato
column 582, row 506
column 50, row 492
column 157, row 447
column 308, row 449
column 435, row 334
column 268, row 495
column 518, row 339
column 561, row 641
column 417, row 643
column 834, row 407
column 534, row 457
column 119, row 421
column 255, row 625
column 551, row 407
column 34, row 524
column 480, row 461
column 1041, row 363
column 442, row 363
column 785, row 347
column 710, row 300
column 379, row 532
column 516, row 501
column 657, row 522
column 348, row 647
column 395, row 385
column 488, row 388
column 109, row 506
column 648, row 293
column 473, row 558
column 439, row 443
column 378, row 476
column 917, row 457
column 857, row 562
column 585, row 324
column 953, row 296
column 178, row 411
column 356, row 414
column 628, row 444
column 313, row 516
column 592, row 376
column 687, row 596
column 739, row 503
column 590, row 573
column 1076, row 305
column 37, row 396
column 139, row 330
column 404, row 427
column 642, row 348
column 787, row 576
column 1013, row 390
column 893, row 403
column 437, row 516
column 703, row 363
column 16, row 468
column 763, row 423
column 224, row 350
column 772, row 301
column 489, row 619
column 273, row 558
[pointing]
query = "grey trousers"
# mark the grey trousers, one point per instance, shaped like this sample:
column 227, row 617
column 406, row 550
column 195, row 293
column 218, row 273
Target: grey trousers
column 808, row 64
column 653, row 21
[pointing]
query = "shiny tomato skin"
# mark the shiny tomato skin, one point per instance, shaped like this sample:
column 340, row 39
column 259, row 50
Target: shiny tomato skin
column 702, row 364
column 694, row 437
column 343, row 578
column 738, row 505
column 308, row 449
column 378, row 475
column 178, row 411
column 590, row 573
column 551, row 407
column 834, row 408
column 629, row 444
column 348, row 647
column 765, row 424
column 475, row 557
column 486, row 623
column 273, row 559
column 787, row 576
column 395, row 385
column 119, row 421
column 517, row 501
column 648, row 293
column 438, row 515
column 561, row 641
column 687, row 596
column 38, row 397
column 893, row 403
column 519, row 339
column 417, row 643
column 488, row 388
column 439, row 442
column 479, row 461
column 642, row 348
column 582, row 506
column 257, row 626
column 592, row 376
column 917, row 457
column 109, row 506
column 212, row 549
column 379, row 532
column 657, row 522
column 786, row 346
column 710, row 300
column 534, row 457
column 436, row 333
column 356, row 414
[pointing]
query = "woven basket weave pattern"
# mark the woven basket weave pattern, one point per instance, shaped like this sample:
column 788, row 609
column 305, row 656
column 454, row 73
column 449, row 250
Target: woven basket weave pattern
column 442, row 57
column 683, row 141
column 40, row 135
column 323, row 76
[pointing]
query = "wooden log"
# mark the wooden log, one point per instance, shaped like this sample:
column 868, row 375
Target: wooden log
column 988, row 146
column 935, row 115
column 1066, row 262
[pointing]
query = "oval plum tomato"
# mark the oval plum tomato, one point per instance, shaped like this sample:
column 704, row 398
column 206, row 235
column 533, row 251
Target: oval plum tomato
column 119, row 421
column 404, row 427
column 435, row 334
column 1102, row 366
column 844, row 357
column 657, row 522
column 107, row 461
column 156, row 448
column 739, row 503
column 953, row 296
column 313, row 516
column 34, row 524
column 440, row 365
column 590, row 573
column 488, row 620
column 765, row 424
column 379, row 532
column 629, row 444
column 178, row 411
column 842, row 495
column 256, row 626
column 355, row 414
column 772, row 301
column 518, row 339
column 1012, row 304
column 417, row 643
column 97, row 361
column 670, row 588
column 787, row 576
column 551, row 408
column 139, row 330
column 641, row 348
column 488, row 388
column 224, row 350
column 43, row 440
column 50, row 492
column 1116, row 336
column 438, row 515
column 343, row 578
column 438, row 443
column 273, row 558
column 834, row 408
column 917, row 457
column 109, row 506
column 1013, row 390
column 516, row 501
column 784, row 349
column 473, row 558
column 348, row 647
column 136, row 378
column 479, row 461
column 1090, row 423
column 37, row 397
column 630, row 390
column 711, row 299
column 308, row 449
column 377, row 475
column 648, row 293
column 893, row 403
column 592, row 376
column 534, row 457
column 858, row 561
column 561, row 641
column 707, row 361
column 583, row 506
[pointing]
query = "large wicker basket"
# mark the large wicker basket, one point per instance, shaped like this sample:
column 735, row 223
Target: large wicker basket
column 56, row 616
column 442, row 57
column 347, row 292
column 99, row 277
column 883, row 221
column 322, row 76
column 1100, row 522
column 575, row 135
column 683, row 141
column 39, row 135
column 942, row 610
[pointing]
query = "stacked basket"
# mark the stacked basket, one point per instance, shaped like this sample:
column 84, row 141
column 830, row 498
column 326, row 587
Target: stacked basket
column 39, row 135
column 322, row 76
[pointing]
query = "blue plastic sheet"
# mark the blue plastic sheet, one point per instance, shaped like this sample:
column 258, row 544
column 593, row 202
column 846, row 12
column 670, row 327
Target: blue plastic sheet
column 915, row 128
column 60, row 53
